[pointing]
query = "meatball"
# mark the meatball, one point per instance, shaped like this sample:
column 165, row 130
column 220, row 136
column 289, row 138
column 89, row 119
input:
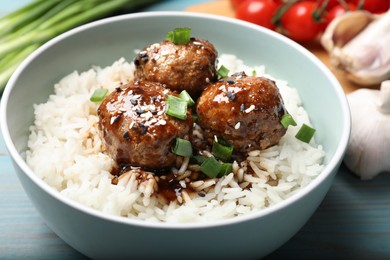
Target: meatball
column 244, row 110
column 135, row 128
column 189, row 67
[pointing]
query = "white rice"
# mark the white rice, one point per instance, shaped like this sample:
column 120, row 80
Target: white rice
column 65, row 150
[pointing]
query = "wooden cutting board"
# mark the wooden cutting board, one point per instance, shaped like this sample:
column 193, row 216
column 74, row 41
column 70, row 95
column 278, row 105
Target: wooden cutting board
column 223, row 7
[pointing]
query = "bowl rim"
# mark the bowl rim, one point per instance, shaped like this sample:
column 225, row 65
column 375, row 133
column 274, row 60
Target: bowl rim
column 333, row 162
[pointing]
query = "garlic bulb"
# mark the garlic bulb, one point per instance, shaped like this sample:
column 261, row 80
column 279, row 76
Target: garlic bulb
column 368, row 151
column 358, row 43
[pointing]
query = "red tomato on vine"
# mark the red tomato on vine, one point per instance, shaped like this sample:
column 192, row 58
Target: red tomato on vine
column 339, row 10
column 301, row 22
column 373, row 6
column 259, row 12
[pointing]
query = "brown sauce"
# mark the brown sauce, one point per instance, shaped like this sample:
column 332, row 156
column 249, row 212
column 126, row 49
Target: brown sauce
column 169, row 185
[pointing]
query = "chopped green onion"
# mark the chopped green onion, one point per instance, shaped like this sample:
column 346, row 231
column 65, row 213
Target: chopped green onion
column 223, row 72
column 225, row 169
column 221, row 151
column 254, row 73
column 198, row 159
column 176, row 107
column 25, row 29
column 179, row 36
column 222, row 141
column 182, row 147
column 287, row 120
column 305, row 133
column 98, row 95
column 184, row 95
column 211, row 167
column 196, row 118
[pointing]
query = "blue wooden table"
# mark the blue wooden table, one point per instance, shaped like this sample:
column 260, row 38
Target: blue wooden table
column 353, row 221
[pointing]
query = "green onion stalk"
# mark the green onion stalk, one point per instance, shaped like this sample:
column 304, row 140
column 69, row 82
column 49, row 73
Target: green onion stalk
column 27, row 28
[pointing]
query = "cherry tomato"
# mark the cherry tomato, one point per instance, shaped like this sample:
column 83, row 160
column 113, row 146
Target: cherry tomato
column 259, row 12
column 374, row 6
column 330, row 5
column 298, row 22
column 339, row 10
column 236, row 3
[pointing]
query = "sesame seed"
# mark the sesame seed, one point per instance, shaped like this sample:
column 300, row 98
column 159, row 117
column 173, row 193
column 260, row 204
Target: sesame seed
column 222, row 87
column 221, row 98
column 126, row 135
column 230, row 81
column 230, row 95
column 249, row 109
column 147, row 115
column 139, row 111
column 237, row 126
column 115, row 119
column 162, row 122
column 242, row 108
column 143, row 128
column 145, row 58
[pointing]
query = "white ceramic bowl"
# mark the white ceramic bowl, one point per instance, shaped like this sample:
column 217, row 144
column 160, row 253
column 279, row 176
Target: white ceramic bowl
column 98, row 235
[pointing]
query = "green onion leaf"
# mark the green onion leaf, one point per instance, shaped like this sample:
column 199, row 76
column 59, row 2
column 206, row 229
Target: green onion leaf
column 305, row 133
column 254, row 73
column 179, row 36
column 184, row 95
column 211, row 167
column 222, row 151
column 182, row 147
column 198, row 159
column 287, row 120
column 25, row 29
column 225, row 169
column 196, row 118
column 176, row 107
column 98, row 95
column 223, row 72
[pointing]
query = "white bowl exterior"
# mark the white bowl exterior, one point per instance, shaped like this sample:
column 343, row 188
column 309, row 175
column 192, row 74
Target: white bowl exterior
column 100, row 236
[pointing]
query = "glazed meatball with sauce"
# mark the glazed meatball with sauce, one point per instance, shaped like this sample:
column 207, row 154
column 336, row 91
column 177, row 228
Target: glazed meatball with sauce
column 135, row 128
column 189, row 67
column 244, row 110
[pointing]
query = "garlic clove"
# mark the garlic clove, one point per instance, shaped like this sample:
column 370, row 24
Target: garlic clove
column 358, row 43
column 368, row 151
column 344, row 28
column 384, row 97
